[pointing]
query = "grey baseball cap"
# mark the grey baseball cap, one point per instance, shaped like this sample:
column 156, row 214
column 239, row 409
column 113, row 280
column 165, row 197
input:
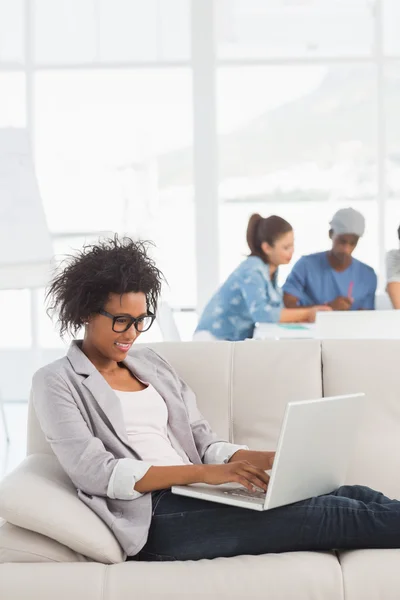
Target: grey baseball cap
column 348, row 221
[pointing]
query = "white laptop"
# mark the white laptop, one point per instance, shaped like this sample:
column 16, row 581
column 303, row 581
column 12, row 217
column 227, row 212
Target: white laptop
column 314, row 446
column 358, row 324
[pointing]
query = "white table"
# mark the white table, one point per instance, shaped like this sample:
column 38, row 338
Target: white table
column 278, row 331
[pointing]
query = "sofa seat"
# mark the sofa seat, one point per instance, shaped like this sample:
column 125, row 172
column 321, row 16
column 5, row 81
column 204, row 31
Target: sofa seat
column 289, row 576
column 371, row 574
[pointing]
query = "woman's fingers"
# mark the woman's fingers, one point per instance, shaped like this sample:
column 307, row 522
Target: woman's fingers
column 255, row 479
column 250, row 476
column 260, row 473
column 245, row 483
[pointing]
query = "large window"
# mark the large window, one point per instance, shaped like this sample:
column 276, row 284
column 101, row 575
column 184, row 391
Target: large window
column 109, row 31
column 294, row 28
column 392, row 93
column 12, row 100
column 391, row 19
column 303, row 119
column 11, row 32
column 300, row 142
column 14, row 304
column 102, row 153
column 15, row 316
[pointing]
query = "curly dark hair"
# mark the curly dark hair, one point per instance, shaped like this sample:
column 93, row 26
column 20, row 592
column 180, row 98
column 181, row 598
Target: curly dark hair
column 113, row 265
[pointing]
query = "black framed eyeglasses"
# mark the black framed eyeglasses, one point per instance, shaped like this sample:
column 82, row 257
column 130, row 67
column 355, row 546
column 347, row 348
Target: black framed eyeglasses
column 121, row 323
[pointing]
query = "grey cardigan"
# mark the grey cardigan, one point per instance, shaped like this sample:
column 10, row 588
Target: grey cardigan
column 82, row 420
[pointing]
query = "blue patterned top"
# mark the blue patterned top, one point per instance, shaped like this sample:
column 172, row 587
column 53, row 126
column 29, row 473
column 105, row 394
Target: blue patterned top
column 247, row 297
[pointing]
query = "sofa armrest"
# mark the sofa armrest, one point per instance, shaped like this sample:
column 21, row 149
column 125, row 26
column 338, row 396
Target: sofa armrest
column 39, row 496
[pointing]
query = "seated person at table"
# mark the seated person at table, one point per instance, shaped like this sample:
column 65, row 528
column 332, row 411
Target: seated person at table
column 251, row 294
column 393, row 275
column 334, row 278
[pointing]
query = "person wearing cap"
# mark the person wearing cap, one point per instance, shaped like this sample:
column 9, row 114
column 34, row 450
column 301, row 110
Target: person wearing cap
column 393, row 275
column 251, row 293
column 334, row 277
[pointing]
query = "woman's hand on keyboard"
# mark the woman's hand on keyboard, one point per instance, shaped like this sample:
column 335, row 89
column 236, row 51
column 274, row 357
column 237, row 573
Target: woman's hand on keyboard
column 242, row 472
column 257, row 458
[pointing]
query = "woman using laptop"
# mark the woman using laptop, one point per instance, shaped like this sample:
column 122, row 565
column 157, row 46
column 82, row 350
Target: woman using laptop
column 125, row 428
column 251, row 293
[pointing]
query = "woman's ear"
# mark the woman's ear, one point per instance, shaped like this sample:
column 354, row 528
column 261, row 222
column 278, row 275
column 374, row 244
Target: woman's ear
column 266, row 248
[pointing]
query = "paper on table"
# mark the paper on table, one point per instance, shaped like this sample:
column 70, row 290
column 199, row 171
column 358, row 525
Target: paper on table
column 265, row 331
column 292, row 326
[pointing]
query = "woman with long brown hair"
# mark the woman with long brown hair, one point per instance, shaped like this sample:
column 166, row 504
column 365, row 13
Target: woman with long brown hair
column 251, row 293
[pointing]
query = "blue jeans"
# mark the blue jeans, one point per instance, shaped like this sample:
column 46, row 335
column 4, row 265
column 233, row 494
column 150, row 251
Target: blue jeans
column 351, row 517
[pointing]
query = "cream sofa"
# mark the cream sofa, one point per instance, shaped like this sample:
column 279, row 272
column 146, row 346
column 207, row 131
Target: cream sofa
column 54, row 547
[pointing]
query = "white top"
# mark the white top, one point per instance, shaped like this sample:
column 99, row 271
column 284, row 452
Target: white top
column 393, row 266
column 146, row 419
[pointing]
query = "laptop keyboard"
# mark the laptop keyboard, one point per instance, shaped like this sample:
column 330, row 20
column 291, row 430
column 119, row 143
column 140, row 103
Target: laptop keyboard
column 244, row 493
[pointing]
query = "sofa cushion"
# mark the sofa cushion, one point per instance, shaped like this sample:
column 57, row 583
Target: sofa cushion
column 266, row 375
column 54, row 581
column 286, row 576
column 372, row 367
column 20, row 545
column 207, row 368
column 295, row 575
column 40, row 497
column 371, row 574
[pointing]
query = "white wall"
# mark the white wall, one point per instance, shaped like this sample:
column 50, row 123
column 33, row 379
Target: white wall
column 17, row 367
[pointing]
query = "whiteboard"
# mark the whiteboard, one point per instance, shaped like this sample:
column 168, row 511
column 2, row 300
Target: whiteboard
column 25, row 241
